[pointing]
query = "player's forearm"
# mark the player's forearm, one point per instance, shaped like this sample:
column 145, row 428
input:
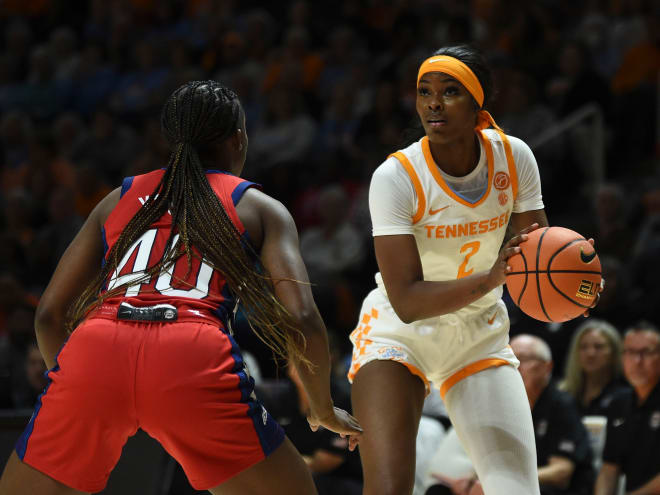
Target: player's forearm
column 425, row 299
column 51, row 333
column 317, row 379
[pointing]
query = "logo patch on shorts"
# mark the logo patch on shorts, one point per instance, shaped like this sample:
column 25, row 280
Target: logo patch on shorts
column 393, row 353
column 264, row 415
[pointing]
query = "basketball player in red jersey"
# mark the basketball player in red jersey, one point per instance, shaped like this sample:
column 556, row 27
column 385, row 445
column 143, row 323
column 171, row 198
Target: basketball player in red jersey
column 151, row 345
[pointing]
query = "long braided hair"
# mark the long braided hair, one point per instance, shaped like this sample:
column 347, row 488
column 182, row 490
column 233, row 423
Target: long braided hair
column 197, row 115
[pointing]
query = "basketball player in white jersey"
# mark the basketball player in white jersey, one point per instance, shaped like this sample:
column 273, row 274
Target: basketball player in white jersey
column 440, row 209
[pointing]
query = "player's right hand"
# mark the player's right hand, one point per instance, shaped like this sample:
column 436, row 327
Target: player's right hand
column 340, row 422
column 501, row 266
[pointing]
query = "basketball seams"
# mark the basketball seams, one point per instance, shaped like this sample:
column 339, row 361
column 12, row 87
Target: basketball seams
column 594, row 272
column 522, row 291
column 554, row 286
column 559, row 249
column 538, row 278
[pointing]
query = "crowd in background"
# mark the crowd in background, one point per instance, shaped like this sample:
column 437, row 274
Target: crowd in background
column 329, row 91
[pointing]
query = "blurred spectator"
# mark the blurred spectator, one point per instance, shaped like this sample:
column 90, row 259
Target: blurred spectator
column 110, row 145
column 611, row 226
column 94, row 80
column 65, row 58
column 334, row 467
column 562, row 443
column 635, row 86
column 296, row 56
column 343, row 49
column 142, row 87
column 15, row 135
column 632, row 444
column 593, row 377
column 525, row 115
column 285, row 134
column 32, row 381
column 18, row 40
column 41, row 95
column 12, row 256
column 154, row 154
column 334, row 246
column 644, row 267
column 576, row 83
column 18, row 212
column 51, row 241
column 339, row 123
column 619, row 303
column 593, row 367
column 90, row 189
column 69, row 132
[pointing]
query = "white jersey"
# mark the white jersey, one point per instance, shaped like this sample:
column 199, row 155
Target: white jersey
column 455, row 236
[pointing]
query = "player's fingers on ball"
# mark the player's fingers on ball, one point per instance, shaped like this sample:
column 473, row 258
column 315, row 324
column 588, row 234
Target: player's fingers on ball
column 510, row 251
column 530, row 228
column 517, row 239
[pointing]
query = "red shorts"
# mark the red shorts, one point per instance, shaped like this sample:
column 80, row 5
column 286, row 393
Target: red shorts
column 183, row 383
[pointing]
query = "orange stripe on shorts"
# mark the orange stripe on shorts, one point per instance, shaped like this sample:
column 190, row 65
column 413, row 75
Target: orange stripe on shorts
column 470, row 369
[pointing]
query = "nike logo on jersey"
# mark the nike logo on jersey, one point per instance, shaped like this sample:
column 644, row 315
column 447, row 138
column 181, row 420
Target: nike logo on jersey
column 587, row 258
column 433, row 212
column 492, row 319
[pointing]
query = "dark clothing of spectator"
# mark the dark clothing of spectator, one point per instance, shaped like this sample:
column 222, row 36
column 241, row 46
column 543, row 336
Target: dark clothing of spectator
column 558, row 431
column 600, row 406
column 633, row 437
column 280, row 398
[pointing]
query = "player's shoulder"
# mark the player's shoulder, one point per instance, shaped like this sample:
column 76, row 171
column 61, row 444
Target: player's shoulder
column 266, row 205
column 392, row 166
column 516, row 143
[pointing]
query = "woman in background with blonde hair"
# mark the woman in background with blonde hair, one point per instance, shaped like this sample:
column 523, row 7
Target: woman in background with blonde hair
column 593, row 367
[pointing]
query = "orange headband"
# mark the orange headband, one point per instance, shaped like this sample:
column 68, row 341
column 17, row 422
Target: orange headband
column 458, row 70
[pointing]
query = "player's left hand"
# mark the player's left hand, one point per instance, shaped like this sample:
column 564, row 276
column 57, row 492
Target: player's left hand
column 340, row 422
column 600, row 288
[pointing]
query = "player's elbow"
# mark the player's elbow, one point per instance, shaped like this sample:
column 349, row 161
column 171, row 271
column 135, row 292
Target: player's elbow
column 307, row 319
column 47, row 317
column 404, row 311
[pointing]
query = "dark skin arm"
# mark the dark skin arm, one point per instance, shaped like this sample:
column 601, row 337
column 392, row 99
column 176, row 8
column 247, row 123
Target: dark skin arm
column 273, row 231
column 78, row 266
column 414, row 298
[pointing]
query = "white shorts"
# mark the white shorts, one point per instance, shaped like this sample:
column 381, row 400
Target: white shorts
column 442, row 350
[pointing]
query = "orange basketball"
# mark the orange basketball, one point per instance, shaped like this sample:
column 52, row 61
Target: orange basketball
column 555, row 276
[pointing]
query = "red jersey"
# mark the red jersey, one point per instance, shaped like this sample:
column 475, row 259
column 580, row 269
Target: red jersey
column 204, row 287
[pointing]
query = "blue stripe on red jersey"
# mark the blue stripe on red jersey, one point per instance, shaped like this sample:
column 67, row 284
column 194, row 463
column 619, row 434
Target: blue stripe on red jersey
column 126, row 185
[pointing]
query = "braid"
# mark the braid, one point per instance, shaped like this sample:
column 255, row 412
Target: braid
column 197, row 114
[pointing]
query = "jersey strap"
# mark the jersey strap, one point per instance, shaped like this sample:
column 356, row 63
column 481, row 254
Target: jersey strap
column 513, row 174
column 421, row 198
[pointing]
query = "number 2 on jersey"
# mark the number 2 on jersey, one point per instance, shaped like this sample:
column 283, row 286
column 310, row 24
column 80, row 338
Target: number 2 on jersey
column 470, row 249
